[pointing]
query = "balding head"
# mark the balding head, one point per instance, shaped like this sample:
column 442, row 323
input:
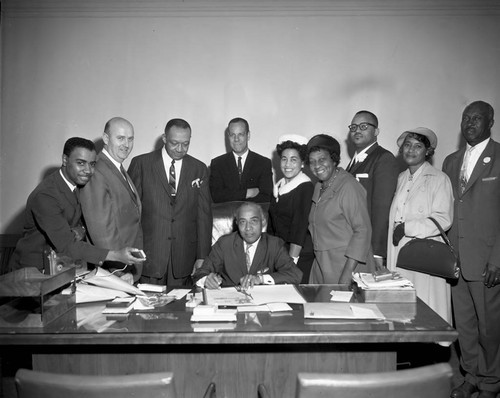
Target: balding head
column 118, row 138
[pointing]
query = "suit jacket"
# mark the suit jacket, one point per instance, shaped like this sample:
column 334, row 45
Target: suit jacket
column 52, row 210
column 177, row 231
column 378, row 174
column 225, row 184
column 227, row 258
column 339, row 221
column 476, row 226
column 111, row 208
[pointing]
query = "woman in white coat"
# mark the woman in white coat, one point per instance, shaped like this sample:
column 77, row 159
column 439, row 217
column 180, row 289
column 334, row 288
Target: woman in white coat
column 422, row 191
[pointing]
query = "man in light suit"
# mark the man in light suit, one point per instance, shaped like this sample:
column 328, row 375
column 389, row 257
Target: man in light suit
column 475, row 175
column 176, row 208
column 248, row 257
column 240, row 174
column 110, row 204
column 53, row 214
column 377, row 170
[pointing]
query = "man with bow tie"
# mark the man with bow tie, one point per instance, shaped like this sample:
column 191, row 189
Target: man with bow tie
column 474, row 171
column 377, row 170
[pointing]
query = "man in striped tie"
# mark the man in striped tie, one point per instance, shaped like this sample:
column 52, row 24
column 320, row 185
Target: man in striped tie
column 248, row 256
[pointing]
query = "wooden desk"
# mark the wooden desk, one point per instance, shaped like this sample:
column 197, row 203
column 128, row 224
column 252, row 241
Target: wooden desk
column 259, row 348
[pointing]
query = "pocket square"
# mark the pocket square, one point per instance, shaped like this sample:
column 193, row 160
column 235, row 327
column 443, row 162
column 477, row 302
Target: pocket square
column 489, row 178
column 362, row 175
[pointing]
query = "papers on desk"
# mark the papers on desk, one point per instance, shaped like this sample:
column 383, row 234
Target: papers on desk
column 341, row 296
column 258, row 295
column 210, row 313
column 271, row 307
column 342, row 311
column 103, row 278
column 90, row 294
column 367, row 281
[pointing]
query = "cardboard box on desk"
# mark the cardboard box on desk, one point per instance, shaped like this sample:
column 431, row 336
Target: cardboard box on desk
column 35, row 299
column 394, row 295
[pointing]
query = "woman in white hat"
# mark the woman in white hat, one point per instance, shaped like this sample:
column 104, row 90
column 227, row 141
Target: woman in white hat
column 291, row 203
column 422, row 191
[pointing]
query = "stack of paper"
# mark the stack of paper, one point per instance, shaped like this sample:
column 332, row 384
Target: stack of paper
column 210, row 313
column 367, row 281
column 341, row 311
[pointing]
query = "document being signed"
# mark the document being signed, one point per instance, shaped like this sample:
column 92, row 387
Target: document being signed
column 258, row 295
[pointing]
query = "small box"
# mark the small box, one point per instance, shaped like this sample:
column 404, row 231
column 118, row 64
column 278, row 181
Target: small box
column 394, row 295
column 36, row 299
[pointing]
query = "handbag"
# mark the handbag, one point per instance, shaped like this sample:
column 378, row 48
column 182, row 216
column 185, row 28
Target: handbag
column 430, row 256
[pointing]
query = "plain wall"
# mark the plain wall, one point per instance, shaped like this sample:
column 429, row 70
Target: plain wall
column 68, row 67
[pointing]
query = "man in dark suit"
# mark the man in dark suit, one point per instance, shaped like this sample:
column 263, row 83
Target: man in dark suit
column 377, row 170
column 176, row 208
column 248, row 256
column 474, row 172
column 110, row 204
column 53, row 214
column 240, row 174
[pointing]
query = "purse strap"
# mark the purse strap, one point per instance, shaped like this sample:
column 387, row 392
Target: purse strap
column 441, row 230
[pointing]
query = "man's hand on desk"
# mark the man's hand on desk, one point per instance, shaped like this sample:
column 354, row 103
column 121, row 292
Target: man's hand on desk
column 124, row 256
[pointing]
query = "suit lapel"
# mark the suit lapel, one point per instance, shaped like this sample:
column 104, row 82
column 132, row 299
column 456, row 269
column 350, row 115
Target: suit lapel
column 481, row 166
column 239, row 249
column 359, row 165
column 127, row 183
column 258, row 258
column 71, row 197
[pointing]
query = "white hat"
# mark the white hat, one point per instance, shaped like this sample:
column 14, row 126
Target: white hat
column 294, row 138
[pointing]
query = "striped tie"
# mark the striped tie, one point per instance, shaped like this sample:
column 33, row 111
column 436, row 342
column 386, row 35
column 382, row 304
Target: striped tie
column 171, row 177
column 249, row 261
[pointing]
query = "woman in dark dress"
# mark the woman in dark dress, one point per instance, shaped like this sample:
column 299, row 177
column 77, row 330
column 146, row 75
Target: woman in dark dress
column 289, row 209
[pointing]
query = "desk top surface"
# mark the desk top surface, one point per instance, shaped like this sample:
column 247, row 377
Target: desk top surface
column 170, row 324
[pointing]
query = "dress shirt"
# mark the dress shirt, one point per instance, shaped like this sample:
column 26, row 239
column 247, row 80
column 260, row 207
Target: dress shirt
column 71, row 186
column 476, row 152
column 167, row 162
column 243, row 159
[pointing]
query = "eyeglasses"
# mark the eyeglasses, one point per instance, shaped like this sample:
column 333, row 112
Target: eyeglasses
column 362, row 126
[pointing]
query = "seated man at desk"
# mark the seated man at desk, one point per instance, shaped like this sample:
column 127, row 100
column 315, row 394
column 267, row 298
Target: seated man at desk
column 248, row 256
column 53, row 217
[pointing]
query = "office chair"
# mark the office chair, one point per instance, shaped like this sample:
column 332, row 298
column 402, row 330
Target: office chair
column 34, row 384
column 424, row 382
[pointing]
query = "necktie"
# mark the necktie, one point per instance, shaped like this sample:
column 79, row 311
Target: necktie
column 123, row 172
column 247, row 254
column 171, row 177
column 129, row 187
column 76, row 192
column 463, row 170
column 240, row 168
column 351, row 163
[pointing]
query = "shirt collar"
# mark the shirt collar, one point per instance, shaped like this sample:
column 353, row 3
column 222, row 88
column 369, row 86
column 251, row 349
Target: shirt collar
column 243, row 157
column 479, row 148
column 71, row 186
column 254, row 244
column 364, row 150
column 168, row 160
column 117, row 164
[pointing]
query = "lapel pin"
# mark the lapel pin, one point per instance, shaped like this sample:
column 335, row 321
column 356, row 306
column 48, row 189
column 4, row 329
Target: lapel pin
column 486, row 160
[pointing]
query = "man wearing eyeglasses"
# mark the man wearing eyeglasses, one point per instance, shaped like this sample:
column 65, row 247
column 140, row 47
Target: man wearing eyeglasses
column 377, row 170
